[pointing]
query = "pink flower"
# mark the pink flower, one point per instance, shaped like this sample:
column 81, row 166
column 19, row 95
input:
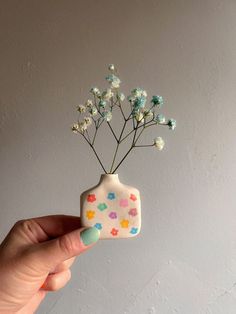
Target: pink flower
column 113, row 215
column 133, row 212
column 124, row 202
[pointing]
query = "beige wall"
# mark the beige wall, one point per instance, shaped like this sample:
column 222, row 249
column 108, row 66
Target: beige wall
column 51, row 53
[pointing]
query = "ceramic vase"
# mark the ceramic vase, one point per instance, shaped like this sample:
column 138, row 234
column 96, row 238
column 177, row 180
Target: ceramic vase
column 112, row 207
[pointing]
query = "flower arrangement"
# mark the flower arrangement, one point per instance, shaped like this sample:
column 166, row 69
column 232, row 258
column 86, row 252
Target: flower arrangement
column 99, row 111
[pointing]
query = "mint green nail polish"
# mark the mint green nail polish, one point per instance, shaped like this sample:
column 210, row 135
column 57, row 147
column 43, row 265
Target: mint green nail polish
column 90, row 235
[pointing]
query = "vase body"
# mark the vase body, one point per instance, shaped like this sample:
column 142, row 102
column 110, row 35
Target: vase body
column 112, row 207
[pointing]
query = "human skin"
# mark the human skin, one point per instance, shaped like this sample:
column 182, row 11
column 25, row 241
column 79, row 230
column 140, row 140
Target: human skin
column 35, row 257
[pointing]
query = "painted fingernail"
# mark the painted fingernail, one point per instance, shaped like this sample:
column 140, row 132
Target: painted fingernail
column 90, row 235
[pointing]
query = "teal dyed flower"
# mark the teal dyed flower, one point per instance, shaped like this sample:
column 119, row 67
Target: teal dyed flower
column 111, row 196
column 134, row 230
column 140, row 102
column 98, row 226
column 172, row 124
column 160, row 118
column 113, row 80
column 102, row 103
column 102, row 206
column 157, row 100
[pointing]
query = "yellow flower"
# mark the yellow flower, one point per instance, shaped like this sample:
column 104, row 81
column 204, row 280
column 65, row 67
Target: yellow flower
column 90, row 214
column 124, row 223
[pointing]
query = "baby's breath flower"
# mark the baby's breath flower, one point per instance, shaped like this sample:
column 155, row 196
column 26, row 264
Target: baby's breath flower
column 121, row 96
column 113, row 80
column 172, row 124
column 89, row 103
column 95, row 91
column 148, row 113
column 157, row 100
column 81, row 108
column 93, row 111
column 138, row 92
column 107, row 115
column 160, row 118
column 111, row 67
column 88, row 120
column 139, row 116
column 102, row 103
column 140, row 102
column 75, row 128
column 107, row 94
column 159, row 143
column 82, row 126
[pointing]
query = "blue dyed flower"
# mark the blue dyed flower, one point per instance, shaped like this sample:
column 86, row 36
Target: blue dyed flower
column 160, row 119
column 113, row 80
column 157, row 100
column 139, row 102
column 102, row 103
column 134, row 230
column 172, row 124
column 111, row 196
column 98, row 226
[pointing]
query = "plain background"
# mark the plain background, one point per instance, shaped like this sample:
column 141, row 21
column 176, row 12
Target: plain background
column 51, row 53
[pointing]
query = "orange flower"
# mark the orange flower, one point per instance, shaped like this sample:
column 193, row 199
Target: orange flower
column 124, row 223
column 90, row 214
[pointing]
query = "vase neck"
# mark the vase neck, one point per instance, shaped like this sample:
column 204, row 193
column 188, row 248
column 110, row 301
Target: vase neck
column 109, row 178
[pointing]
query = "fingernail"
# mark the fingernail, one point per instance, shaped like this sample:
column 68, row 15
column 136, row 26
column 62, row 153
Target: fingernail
column 90, row 235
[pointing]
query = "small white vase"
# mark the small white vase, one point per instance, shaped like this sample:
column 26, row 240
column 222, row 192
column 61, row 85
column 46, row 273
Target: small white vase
column 112, row 207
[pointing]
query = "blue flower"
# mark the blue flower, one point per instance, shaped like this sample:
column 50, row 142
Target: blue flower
column 113, row 80
column 102, row 103
column 157, row 100
column 139, row 102
column 160, row 118
column 172, row 124
column 134, row 230
column 111, row 196
column 98, row 226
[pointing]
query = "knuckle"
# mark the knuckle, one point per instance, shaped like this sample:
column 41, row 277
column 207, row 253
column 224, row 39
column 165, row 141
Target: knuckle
column 67, row 245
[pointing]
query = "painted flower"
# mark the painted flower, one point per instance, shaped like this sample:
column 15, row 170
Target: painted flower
column 111, row 196
column 160, row 118
column 172, row 124
column 91, row 198
column 95, row 91
column 107, row 115
column 113, row 215
column 90, row 214
column 133, row 197
column 124, row 223
column 159, row 143
column 157, row 100
column 124, row 202
column 133, row 212
column 134, row 230
column 148, row 113
column 102, row 103
column 114, row 231
column 98, row 226
column 102, row 206
column 81, row 108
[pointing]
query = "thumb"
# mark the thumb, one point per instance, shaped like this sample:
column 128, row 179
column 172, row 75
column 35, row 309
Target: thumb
column 53, row 252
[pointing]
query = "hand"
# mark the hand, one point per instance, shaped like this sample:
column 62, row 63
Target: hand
column 35, row 257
